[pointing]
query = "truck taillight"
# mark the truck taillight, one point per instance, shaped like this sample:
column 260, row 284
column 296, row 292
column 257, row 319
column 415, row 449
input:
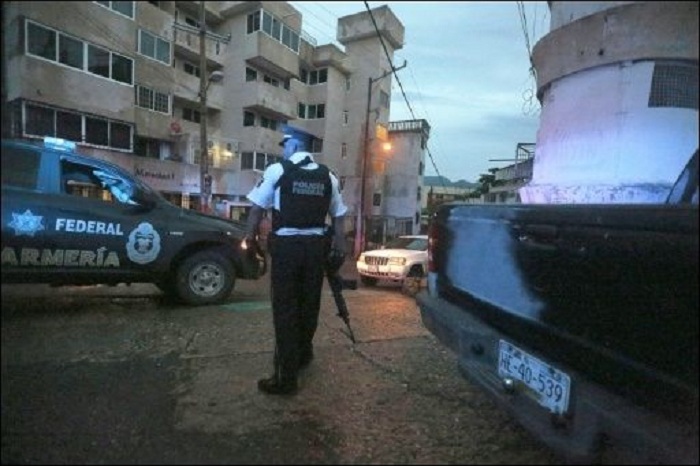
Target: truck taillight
column 432, row 242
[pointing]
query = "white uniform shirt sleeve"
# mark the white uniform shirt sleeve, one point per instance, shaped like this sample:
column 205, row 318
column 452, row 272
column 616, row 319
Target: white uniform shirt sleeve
column 263, row 194
column 337, row 207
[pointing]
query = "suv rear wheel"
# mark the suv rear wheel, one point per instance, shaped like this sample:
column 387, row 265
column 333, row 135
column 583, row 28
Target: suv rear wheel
column 206, row 277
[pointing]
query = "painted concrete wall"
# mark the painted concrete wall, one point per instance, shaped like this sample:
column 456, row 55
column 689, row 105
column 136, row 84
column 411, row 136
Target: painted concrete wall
column 599, row 140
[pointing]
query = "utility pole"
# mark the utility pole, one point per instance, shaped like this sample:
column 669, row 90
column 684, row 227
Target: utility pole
column 363, row 210
column 204, row 178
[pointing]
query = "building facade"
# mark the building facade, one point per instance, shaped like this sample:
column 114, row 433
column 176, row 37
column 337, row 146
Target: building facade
column 123, row 79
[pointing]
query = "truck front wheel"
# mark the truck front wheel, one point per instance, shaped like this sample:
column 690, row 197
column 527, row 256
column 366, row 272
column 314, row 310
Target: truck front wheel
column 205, row 277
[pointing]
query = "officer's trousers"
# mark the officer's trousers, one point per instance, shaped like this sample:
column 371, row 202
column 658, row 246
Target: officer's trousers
column 297, row 279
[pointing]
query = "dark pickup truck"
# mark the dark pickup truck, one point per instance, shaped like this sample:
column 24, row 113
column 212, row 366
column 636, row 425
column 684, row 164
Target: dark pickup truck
column 581, row 320
column 70, row 219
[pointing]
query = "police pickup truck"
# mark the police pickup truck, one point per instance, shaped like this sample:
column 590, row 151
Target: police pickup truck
column 69, row 219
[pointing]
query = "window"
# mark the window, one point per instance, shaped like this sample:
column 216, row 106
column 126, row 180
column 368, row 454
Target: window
column 268, row 123
column 343, row 151
column 314, row 76
column 123, row 8
column 152, row 100
column 145, row 147
column 247, row 160
column 253, row 22
column 69, row 126
column 347, row 84
column 192, row 22
column 72, row 52
column 39, row 121
column 274, row 28
column 98, row 61
column 260, row 160
column 154, row 47
column 346, row 117
column 383, row 99
column 270, row 80
column 20, row 167
column 250, row 74
column 189, row 68
column 311, row 111
column 316, row 145
column 674, row 85
column 119, row 135
column 97, row 131
column 121, row 68
column 257, row 160
column 248, row 119
column 191, row 115
column 377, row 199
column 41, row 41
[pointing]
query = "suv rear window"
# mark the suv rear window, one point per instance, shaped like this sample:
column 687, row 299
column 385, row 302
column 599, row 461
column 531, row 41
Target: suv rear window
column 20, row 167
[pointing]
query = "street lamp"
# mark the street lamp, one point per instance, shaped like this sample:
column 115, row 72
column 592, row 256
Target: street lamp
column 360, row 224
column 204, row 81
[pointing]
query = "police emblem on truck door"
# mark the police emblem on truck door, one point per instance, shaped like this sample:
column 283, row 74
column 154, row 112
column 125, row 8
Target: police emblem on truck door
column 144, row 244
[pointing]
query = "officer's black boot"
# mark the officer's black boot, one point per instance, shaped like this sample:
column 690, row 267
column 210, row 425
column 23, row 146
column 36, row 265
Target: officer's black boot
column 306, row 358
column 282, row 382
column 276, row 386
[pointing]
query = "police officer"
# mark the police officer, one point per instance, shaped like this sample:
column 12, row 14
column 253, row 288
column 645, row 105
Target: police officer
column 301, row 194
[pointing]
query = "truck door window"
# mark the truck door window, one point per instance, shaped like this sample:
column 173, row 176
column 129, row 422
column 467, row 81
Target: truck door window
column 88, row 181
column 20, row 167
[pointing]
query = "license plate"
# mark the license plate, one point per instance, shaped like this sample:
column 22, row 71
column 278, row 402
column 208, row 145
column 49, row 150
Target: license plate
column 547, row 385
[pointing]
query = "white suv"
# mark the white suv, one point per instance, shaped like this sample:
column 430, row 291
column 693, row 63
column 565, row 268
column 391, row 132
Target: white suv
column 403, row 259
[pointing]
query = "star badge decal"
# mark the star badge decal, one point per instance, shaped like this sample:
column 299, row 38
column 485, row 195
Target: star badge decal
column 26, row 223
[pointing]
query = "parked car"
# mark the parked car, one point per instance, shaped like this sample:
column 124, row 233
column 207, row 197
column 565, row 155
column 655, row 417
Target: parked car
column 70, row 219
column 403, row 259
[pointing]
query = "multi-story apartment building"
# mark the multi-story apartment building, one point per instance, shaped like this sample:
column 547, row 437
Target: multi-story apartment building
column 122, row 79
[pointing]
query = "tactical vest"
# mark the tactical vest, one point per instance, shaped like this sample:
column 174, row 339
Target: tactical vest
column 305, row 196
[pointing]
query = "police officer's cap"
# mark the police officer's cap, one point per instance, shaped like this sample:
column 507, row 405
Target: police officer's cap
column 285, row 138
column 302, row 137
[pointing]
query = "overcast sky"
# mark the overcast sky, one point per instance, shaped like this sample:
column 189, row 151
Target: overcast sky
column 467, row 74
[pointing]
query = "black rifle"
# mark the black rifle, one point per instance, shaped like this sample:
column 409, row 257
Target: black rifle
column 337, row 284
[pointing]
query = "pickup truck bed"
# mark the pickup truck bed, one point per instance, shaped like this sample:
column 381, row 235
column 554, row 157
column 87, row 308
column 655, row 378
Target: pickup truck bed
column 604, row 294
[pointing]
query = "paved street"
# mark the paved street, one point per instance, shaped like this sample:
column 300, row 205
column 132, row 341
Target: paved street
column 118, row 375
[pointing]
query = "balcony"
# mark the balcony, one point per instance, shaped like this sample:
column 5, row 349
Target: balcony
column 187, row 89
column 270, row 100
column 267, row 54
column 186, row 41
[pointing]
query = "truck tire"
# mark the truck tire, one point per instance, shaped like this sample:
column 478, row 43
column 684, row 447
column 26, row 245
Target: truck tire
column 368, row 281
column 205, row 277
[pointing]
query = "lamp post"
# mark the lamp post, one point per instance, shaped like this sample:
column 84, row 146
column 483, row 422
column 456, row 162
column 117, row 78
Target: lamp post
column 205, row 80
column 361, row 221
